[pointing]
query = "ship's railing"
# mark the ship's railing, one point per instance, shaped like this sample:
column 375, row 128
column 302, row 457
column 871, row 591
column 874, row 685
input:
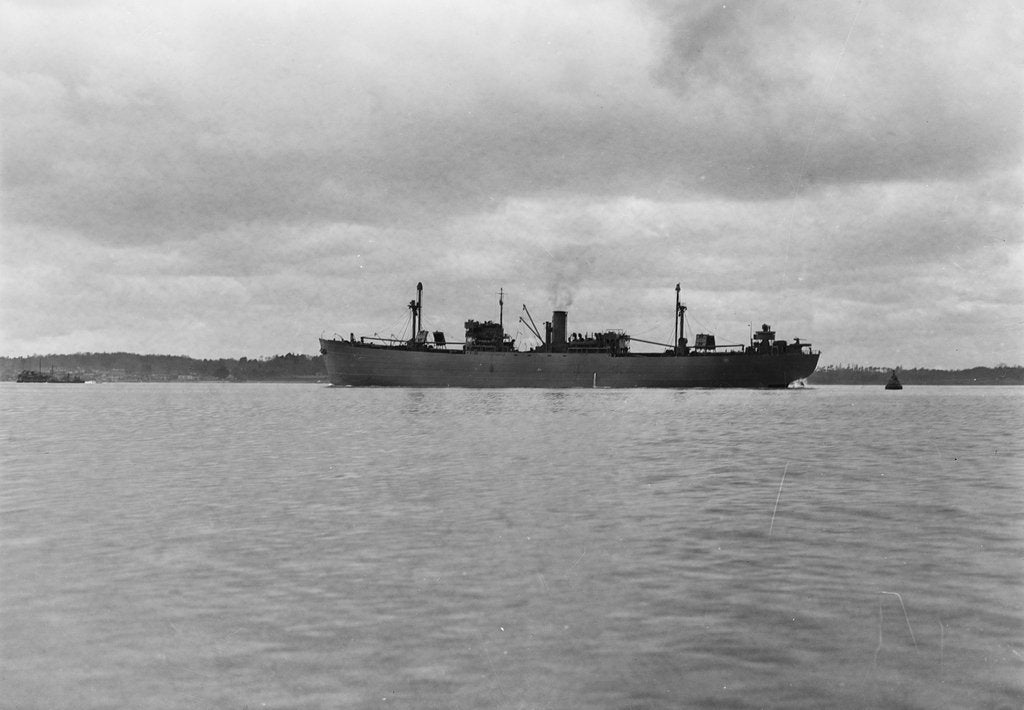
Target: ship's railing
column 393, row 342
column 725, row 348
column 376, row 339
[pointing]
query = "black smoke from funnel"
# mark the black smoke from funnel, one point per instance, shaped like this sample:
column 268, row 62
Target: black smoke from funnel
column 571, row 265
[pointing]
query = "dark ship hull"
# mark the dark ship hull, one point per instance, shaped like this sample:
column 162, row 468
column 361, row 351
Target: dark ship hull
column 488, row 358
column 360, row 364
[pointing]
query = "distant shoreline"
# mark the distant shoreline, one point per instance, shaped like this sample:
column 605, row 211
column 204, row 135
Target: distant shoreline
column 857, row 375
column 132, row 367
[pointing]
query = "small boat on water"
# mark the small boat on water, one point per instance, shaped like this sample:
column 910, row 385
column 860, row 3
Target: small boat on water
column 488, row 357
column 894, row 382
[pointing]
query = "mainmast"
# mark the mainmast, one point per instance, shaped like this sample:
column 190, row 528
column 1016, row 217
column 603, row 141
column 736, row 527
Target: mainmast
column 675, row 324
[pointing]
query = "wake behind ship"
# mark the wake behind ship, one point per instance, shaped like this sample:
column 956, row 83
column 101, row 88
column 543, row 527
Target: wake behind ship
column 488, row 357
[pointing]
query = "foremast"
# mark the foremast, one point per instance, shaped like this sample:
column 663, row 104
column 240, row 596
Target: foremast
column 679, row 339
column 419, row 336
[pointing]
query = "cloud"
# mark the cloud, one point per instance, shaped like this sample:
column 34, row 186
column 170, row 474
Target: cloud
column 195, row 119
column 173, row 176
column 191, row 118
column 845, row 92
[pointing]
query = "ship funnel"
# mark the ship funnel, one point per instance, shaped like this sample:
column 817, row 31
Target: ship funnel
column 558, row 330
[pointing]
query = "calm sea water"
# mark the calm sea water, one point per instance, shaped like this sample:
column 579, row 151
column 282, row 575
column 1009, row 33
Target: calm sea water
column 298, row 546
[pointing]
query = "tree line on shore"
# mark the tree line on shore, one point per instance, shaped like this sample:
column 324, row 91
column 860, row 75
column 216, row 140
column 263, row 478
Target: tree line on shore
column 131, row 367
column 859, row 375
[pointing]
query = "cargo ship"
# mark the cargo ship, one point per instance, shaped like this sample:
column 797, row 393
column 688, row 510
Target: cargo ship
column 488, row 357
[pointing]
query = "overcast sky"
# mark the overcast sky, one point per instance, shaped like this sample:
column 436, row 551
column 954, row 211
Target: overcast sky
column 220, row 179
